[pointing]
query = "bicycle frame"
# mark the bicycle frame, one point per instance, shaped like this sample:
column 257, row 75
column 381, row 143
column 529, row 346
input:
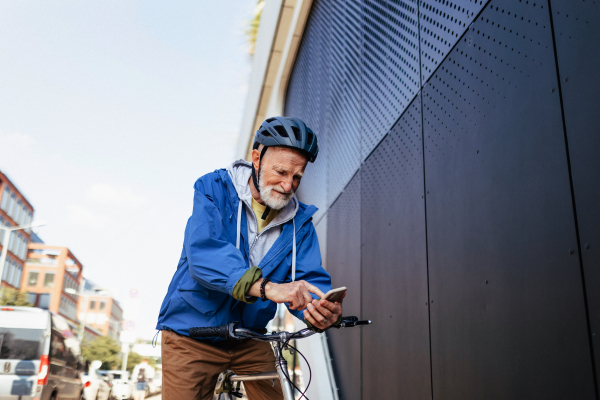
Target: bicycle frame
column 278, row 341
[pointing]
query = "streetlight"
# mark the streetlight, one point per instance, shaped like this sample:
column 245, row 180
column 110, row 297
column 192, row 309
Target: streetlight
column 8, row 231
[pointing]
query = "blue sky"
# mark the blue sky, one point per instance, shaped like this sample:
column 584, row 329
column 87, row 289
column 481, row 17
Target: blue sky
column 109, row 111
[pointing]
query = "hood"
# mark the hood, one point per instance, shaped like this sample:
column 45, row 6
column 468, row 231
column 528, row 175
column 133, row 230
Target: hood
column 239, row 172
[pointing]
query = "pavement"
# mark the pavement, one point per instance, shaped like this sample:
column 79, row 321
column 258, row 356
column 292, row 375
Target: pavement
column 155, row 397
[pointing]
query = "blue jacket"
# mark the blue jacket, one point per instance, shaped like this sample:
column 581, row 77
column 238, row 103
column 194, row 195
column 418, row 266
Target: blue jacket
column 200, row 293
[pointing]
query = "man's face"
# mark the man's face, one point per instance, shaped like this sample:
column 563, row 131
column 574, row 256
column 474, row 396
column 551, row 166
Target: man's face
column 281, row 170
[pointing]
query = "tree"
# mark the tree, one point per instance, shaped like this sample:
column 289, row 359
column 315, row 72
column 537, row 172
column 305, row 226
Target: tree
column 104, row 349
column 134, row 359
column 13, row 297
column 252, row 29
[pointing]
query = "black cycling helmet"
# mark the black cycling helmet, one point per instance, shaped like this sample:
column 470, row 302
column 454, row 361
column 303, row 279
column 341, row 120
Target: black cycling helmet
column 287, row 132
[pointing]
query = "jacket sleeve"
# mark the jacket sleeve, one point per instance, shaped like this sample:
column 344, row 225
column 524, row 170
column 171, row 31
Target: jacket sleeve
column 309, row 268
column 213, row 260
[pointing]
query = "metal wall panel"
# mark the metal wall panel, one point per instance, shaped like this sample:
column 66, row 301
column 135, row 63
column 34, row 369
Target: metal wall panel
column 343, row 121
column 507, row 307
column 308, row 99
column 343, row 263
column 394, row 269
column 441, row 24
column 575, row 27
column 390, row 66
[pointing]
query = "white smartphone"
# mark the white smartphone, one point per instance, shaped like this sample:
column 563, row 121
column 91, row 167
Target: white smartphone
column 335, row 294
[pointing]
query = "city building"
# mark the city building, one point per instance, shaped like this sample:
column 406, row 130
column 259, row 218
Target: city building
column 100, row 311
column 15, row 210
column 52, row 277
column 458, row 184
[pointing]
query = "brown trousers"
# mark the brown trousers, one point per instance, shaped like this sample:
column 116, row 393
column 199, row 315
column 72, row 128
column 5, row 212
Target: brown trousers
column 191, row 367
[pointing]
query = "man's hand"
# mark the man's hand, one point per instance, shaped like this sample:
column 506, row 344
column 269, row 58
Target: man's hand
column 297, row 293
column 322, row 313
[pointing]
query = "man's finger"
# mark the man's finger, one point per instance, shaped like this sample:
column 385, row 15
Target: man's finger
column 316, row 314
column 307, row 297
column 300, row 301
column 326, row 312
column 309, row 318
column 328, row 305
column 315, row 290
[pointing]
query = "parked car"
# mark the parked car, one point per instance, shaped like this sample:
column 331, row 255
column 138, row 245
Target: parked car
column 40, row 355
column 97, row 385
column 121, row 386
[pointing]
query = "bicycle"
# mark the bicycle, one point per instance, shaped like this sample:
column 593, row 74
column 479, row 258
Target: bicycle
column 279, row 341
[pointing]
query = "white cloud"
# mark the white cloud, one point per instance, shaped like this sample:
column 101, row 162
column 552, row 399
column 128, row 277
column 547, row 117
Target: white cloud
column 82, row 216
column 107, row 194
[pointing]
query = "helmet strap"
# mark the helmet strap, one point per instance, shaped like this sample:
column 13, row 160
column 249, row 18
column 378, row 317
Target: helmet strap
column 255, row 178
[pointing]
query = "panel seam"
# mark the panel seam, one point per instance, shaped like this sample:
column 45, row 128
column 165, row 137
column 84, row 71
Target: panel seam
column 582, row 271
column 425, row 197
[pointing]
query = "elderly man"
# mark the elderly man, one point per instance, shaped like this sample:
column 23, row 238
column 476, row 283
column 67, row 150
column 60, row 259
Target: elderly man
column 248, row 245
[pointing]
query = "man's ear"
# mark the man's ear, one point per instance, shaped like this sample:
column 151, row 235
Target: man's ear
column 256, row 158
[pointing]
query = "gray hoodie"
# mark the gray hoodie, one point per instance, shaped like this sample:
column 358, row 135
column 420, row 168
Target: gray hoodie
column 240, row 172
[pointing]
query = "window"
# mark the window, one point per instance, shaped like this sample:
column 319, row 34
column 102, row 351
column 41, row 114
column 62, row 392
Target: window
column 11, row 241
column 102, row 305
column 21, row 344
column 49, row 279
column 92, row 305
column 33, row 278
column 17, row 275
column 5, row 198
column 23, row 254
column 44, row 300
column 1, row 231
column 23, row 218
column 18, row 209
column 11, row 274
column 7, row 266
column 29, row 220
column 11, row 204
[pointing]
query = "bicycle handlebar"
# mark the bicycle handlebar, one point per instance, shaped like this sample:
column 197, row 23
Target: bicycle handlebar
column 231, row 331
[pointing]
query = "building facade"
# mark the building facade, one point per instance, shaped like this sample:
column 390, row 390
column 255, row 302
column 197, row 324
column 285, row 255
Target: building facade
column 51, row 272
column 458, row 183
column 100, row 311
column 15, row 210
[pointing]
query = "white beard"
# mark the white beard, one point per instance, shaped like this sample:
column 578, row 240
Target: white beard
column 274, row 200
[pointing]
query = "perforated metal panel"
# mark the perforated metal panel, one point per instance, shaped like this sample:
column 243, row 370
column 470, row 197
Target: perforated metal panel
column 507, row 308
column 394, row 268
column 343, row 125
column 390, row 66
column 441, row 24
column 308, row 99
column 343, row 263
column 575, row 28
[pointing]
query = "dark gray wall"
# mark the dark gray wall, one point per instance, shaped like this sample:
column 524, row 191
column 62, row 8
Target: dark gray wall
column 459, row 184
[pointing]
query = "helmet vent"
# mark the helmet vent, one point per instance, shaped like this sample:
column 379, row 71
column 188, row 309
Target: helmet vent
column 271, row 119
column 309, row 138
column 296, row 133
column 281, row 130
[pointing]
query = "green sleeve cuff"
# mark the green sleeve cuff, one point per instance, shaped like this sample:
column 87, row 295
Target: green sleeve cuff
column 314, row 328
column 242, row 286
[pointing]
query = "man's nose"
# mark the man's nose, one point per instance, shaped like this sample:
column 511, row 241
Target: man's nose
column 287, row 185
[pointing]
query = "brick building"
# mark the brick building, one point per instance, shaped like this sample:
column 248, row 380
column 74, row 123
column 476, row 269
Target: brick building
column 49, row 272
column 100, row 311
column 15, row 210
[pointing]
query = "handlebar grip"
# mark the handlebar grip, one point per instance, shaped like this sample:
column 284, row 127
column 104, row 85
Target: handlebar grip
column 210, row 332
